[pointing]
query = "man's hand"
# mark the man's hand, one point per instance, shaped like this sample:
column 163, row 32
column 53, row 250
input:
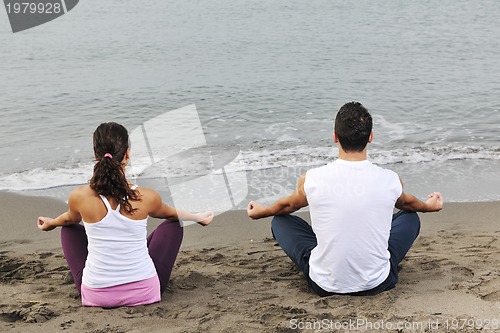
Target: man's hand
column 255, row 210
column 409, row 202
column 285, row 205
column 434, row 202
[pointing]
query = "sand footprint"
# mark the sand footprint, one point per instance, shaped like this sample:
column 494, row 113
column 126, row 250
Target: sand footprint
column 38, row 313
column 461, row 274
column 193, row 281
column 488, row 290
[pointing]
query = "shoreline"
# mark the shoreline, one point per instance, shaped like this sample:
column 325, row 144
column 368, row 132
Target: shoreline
column 460, row 181
column 231, row 276
column 19, row 214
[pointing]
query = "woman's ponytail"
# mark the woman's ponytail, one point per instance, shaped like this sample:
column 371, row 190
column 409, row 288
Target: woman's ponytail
column 111, row 143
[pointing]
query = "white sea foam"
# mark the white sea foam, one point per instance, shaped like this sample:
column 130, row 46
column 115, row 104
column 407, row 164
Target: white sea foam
column 249, row 160
column 40, row 178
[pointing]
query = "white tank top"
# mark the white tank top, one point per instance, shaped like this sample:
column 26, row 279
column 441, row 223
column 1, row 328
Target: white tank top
column 351, row 206
column 117, row 249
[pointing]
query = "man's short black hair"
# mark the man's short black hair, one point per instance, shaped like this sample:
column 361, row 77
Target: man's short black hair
column 353, row 126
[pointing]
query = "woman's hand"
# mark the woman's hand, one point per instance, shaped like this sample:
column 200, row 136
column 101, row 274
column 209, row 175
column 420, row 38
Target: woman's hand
column 45, row 223
column 204, row 218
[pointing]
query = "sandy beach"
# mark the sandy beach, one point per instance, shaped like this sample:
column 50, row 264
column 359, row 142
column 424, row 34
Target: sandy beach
column 231, row 276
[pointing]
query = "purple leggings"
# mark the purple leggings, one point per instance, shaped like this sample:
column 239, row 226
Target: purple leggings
column 163, row 245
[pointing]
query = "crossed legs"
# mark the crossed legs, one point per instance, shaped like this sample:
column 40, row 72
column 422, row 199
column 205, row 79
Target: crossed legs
column 163, row 244
column 297, row 239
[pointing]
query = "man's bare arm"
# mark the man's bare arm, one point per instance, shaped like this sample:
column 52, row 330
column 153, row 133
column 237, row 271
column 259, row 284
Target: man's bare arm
column 434, row 203
column 285, row 205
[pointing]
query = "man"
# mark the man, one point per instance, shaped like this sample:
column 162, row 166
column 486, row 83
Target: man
column 354, row 243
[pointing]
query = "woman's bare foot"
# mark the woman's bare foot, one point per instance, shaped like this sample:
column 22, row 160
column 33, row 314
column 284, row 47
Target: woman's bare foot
column 205, row 218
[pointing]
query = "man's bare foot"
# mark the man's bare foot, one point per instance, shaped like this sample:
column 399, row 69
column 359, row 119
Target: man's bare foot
column 205, row 218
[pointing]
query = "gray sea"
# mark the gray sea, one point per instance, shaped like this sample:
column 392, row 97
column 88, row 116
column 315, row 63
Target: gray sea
column 267, row 78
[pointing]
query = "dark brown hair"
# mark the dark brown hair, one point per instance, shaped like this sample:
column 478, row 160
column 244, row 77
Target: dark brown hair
column 111, row 143
column 353, row 126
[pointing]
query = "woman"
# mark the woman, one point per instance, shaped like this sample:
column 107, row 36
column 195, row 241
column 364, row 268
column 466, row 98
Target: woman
column 112, row 262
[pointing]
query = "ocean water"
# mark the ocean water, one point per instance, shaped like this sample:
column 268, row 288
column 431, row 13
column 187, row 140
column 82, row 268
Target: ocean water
column 267, row 78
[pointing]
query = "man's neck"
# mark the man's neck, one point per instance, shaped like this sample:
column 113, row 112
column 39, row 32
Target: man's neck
column 353, row 156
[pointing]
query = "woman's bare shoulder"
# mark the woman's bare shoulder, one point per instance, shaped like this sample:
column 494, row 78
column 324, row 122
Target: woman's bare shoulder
column 147, row 193
column 84, row 191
